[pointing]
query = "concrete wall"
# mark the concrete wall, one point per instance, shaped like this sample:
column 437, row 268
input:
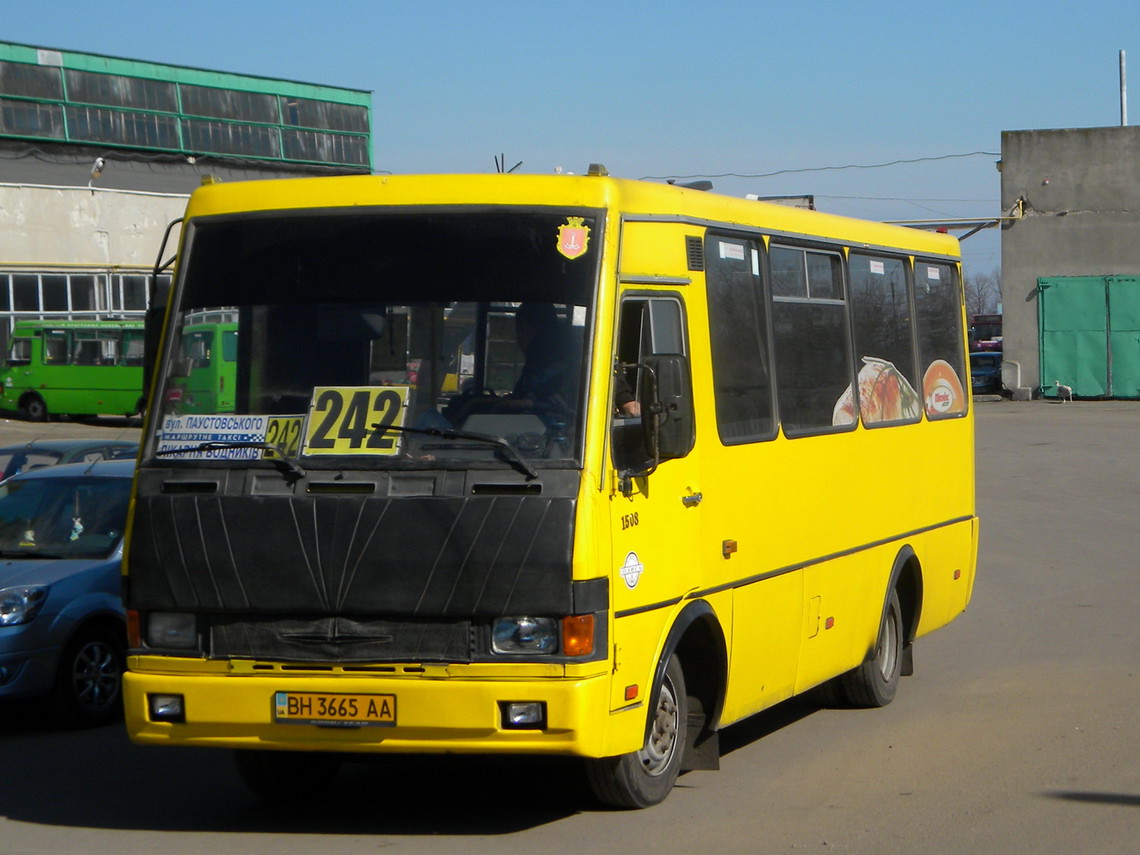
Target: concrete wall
column 49, row 214
column 42, row 226
column 1081, row 192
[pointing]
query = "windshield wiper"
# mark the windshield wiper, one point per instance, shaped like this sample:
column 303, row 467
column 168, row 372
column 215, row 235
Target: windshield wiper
column 512, row 453
column 290, row 468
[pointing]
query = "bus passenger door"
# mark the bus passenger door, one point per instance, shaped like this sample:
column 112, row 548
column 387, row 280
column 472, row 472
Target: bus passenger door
column 655, row 505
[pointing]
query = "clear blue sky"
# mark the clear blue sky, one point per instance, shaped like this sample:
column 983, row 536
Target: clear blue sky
column 669, row 88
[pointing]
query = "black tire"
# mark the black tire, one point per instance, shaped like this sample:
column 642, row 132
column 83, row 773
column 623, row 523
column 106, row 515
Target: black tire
column 874, row 683
column 89, row 682
column 644, row 778
column 287, row 777
column 34, row 408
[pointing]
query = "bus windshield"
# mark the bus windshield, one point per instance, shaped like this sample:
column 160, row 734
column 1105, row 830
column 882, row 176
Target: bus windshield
column 380, row 339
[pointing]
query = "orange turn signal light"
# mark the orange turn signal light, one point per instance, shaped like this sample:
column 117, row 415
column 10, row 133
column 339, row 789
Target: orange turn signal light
column 578, row 635
column 134, row 632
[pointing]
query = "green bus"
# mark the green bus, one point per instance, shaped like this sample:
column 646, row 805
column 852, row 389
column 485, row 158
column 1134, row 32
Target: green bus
column 75, row 368
column 204, row 377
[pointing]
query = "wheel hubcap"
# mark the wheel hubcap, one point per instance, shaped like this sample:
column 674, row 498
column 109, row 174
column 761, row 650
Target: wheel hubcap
column 888, row 646
column 662, row 741
column 95, row 676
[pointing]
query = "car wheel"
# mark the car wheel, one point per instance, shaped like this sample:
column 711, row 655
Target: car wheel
column 89, row 683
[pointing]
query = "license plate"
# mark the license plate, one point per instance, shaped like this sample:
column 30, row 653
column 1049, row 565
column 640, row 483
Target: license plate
column 334, row 710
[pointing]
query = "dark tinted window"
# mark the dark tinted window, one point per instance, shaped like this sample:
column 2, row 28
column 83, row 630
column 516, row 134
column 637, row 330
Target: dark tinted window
column 738, row 330
column 884, row 346
column 26, row 292
column 940, row 347
column 54, row 292
column 813, row 351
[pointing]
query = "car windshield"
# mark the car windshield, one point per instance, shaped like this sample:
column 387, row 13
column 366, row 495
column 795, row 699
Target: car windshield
column 81, row 517
column 381, row 340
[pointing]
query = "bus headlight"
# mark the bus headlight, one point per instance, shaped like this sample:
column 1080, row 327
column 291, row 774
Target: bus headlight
column 528, row 635
column 172, row 629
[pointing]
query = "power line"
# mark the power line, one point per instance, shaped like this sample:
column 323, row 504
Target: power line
column 899, row 199
column 821, row 168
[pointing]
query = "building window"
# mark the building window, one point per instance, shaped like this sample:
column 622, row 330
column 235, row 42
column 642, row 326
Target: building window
column 229, row 104
column 31, row 119
column 114, row 90
column 54, row 290
column 26, row 292
column 83, row 294
column 30, row 81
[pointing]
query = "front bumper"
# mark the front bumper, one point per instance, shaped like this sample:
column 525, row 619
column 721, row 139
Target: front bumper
column 26, row 671
column 435, row 714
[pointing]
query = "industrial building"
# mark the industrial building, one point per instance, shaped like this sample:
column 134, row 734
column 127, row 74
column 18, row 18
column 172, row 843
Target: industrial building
column 1071, row 262
column 98, row 155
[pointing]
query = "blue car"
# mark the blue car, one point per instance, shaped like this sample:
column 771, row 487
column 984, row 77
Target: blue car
column 51, row 452
column 62, row 622
column 985, row 372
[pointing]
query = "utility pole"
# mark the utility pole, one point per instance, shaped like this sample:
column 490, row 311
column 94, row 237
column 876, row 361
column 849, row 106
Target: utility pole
column 1123, row 93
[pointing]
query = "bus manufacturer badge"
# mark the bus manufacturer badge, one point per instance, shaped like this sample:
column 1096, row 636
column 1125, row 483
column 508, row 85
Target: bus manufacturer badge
column 573, row 237
column 631, row 570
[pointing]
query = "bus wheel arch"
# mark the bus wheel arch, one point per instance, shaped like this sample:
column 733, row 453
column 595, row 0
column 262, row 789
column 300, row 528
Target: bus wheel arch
column 680, row 731
column 698, row 641
column 643, row 778
column 906, row 580
column 875, row 682
column 33, row 407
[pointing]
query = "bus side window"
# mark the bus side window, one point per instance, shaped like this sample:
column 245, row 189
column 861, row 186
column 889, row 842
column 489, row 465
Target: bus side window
column 20, row 353
column 133, row 348
column 86, row 352
column 55, row 348
column 647, row 326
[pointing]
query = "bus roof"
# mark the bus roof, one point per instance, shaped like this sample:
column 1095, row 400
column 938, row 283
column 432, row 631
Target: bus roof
column 72, row 324
column 621, row 196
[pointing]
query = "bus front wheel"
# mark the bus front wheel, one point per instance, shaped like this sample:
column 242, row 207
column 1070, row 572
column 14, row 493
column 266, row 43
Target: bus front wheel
column 644, row 778
column 34, row 408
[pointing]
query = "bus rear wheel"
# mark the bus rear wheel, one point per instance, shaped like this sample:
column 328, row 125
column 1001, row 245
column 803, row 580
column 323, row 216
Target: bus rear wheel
column 644, row 778
column 874, row 683
column 34, row 408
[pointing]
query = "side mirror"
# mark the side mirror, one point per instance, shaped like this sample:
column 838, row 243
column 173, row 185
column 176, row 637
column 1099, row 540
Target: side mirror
column 155, row 318
column 667, row 406
column 156, row 311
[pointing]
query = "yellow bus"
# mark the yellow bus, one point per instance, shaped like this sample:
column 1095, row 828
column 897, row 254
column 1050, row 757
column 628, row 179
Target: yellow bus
column 706, row 454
